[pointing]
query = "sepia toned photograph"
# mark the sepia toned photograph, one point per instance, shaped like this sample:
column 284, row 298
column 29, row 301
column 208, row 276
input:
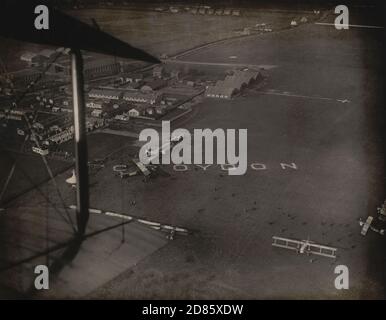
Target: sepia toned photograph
column 182, row 150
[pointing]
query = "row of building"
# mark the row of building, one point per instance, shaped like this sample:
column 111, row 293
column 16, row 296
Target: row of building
column 204, row 10
column 135, row 96
column 43, row 57
column 131, row 104
column 56, row 135
column 218, row 12
column 12, row 114
column 59, row 137
column 58, row 62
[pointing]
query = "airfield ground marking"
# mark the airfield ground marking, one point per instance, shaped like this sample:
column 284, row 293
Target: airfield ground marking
column 350, row 25
column 151, row 224
column 303, row 96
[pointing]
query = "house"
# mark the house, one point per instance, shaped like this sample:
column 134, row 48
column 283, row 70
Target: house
column 131, row 77
column 150, row 111
column 63, row 136
column 94, row 104
column 134, row 112
column 14, row 114
column 41, row 151
column 132, row 86
column 160, row 110
column 110, row 110
column 92, row 124
column 97, row 113
column 122, row 117
column 27, row 57
column 58, row 101
column 47, row 100
column 170, row 100
column 10, row 116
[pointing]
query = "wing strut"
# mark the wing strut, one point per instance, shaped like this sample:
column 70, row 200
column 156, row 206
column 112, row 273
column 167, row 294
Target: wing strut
column 81, row 152
column 17, row 22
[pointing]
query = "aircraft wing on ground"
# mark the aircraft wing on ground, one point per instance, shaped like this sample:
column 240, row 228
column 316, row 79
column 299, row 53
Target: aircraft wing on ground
column 366, row 225
column 304, row 246
column 146, row 172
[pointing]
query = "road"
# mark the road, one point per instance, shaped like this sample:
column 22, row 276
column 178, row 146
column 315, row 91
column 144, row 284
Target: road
column 223, row 64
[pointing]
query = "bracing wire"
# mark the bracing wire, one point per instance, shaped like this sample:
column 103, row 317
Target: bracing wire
column 37, row 187
column 49, row 171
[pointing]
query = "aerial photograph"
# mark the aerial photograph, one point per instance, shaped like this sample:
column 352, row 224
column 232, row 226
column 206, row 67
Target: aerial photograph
column 192, row 150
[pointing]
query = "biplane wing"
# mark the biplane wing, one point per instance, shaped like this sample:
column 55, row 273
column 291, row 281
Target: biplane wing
column 146, row 172
column 304, row 246
column 366, row 225
column 17, row 22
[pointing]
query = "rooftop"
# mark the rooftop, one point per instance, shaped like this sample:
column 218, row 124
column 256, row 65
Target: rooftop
column 104, row 92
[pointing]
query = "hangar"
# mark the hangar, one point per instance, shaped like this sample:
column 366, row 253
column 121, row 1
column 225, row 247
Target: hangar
column 232, row 84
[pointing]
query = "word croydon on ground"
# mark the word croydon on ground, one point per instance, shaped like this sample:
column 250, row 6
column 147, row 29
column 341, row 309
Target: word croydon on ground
column 181, row 153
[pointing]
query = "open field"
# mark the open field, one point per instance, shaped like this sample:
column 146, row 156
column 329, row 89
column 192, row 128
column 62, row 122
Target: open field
column 337, row 148
column 172, row 33
column 156, row 32
column 30, row 172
